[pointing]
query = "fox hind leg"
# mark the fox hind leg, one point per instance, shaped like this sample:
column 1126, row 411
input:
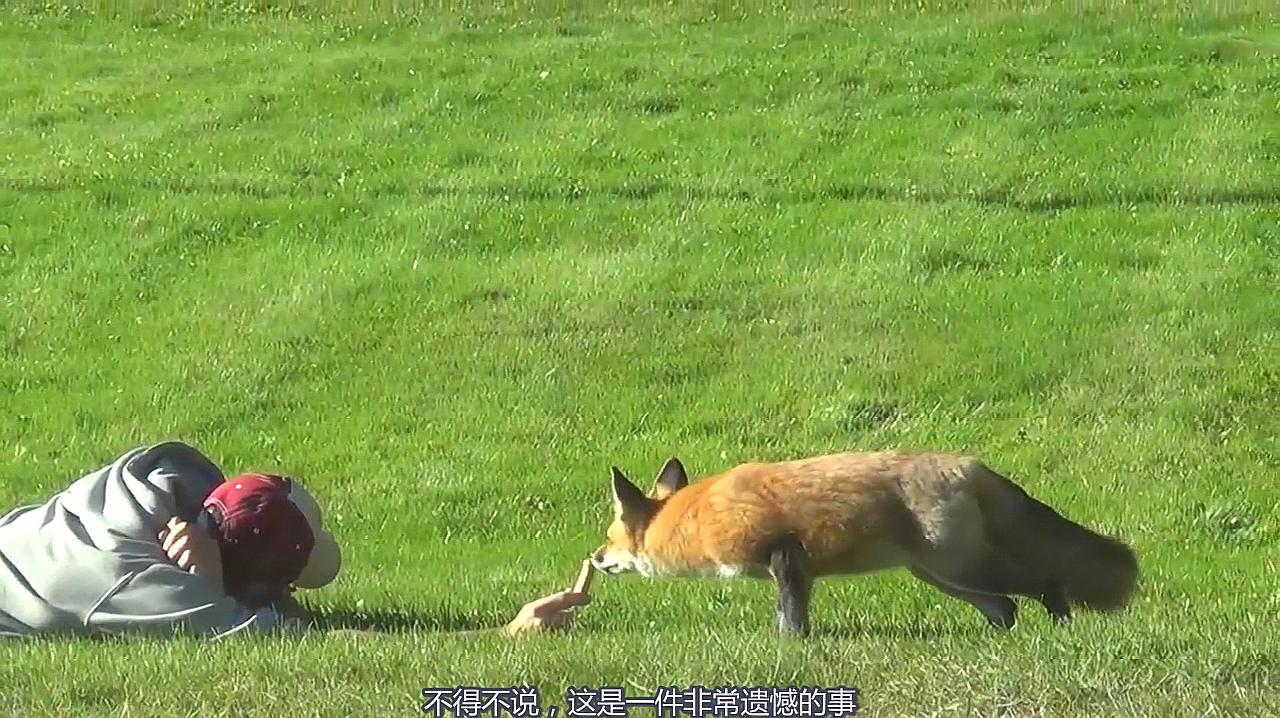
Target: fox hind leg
column 995, row 573
column 1003, row 572
column 1000, row 611
column 1054, row 600
column 787, row 567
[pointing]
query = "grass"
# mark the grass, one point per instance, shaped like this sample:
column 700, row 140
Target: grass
column 449, row 265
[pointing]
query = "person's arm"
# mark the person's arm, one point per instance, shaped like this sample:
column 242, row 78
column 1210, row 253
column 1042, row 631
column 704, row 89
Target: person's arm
column 195, row 551
column 554, row 612
column 160, row 599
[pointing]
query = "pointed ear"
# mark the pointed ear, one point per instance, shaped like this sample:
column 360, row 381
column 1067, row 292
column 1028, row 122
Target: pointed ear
column 672, row 479
column 628, row 499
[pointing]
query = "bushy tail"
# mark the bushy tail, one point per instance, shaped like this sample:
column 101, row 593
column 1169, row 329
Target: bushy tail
column 1098, row 572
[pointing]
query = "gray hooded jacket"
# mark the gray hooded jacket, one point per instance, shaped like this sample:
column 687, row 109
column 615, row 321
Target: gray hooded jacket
column 88, row 561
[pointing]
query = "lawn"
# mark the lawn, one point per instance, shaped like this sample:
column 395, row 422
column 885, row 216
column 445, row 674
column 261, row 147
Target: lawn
column 450, row 265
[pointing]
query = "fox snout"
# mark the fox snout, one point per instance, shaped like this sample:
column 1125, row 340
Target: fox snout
column 610, row 561
column 599, row 562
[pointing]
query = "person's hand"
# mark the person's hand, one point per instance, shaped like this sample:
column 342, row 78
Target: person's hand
column 194, row 551
column 554, row 612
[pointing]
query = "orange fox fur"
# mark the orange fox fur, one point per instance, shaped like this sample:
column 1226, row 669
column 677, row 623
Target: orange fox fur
column 950, row 520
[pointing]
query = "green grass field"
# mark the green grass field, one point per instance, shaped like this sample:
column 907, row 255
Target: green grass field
column 448, row 266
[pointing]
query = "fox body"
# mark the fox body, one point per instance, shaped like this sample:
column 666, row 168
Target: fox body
column 950, row 520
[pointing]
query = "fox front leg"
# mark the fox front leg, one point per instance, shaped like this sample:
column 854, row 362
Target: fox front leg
column 787, row 567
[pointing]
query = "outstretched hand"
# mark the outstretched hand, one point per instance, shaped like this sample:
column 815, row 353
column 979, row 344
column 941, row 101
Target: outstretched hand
column 554, row 612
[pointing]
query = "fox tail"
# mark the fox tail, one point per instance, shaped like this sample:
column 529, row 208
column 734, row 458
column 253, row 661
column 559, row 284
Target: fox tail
column 1098, row 572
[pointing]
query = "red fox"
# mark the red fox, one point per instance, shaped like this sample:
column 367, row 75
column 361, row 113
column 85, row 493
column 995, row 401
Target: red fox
column 951, row 521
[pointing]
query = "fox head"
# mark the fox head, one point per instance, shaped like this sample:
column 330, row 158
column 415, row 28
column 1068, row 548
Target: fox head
column 623, row 549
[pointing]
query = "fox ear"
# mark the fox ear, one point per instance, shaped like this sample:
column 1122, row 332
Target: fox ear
column 627, row 497
column 672, row 479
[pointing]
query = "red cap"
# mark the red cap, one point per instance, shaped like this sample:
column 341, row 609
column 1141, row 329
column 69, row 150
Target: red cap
column 265, row 537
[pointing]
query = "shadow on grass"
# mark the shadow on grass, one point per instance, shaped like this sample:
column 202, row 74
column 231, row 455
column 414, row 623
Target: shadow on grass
column 905, row 630
column 401, row 621
column 894, row 632
column 558, row 190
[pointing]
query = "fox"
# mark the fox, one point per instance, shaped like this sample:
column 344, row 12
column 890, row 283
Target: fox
column 948, row 519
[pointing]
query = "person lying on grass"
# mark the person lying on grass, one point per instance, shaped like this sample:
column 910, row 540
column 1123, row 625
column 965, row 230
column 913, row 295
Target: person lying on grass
column 161, row 543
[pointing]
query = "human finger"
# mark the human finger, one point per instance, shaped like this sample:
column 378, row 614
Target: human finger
column 178, row 546
column 174, row 534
